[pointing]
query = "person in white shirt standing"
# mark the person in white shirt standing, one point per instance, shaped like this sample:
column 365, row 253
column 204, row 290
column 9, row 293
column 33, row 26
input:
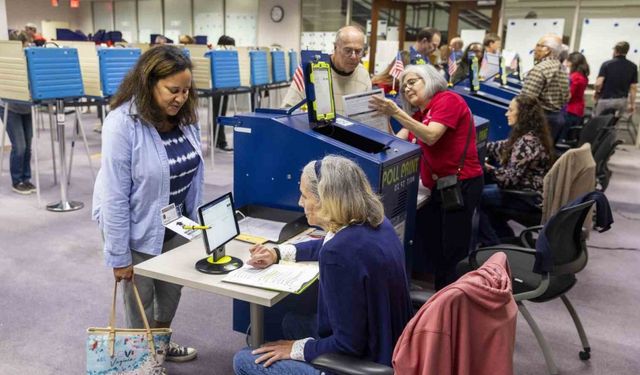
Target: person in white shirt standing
column 347, row 74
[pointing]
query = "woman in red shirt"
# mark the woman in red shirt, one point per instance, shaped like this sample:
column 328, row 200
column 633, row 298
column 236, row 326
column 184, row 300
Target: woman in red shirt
column 440, row 126
column 579, row 79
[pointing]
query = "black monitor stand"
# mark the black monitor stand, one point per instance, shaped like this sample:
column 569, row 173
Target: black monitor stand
column 223, row 264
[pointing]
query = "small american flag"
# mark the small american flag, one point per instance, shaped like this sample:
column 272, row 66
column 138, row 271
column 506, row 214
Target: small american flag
column 452, row 64
column 398, row 67
column 298, row 78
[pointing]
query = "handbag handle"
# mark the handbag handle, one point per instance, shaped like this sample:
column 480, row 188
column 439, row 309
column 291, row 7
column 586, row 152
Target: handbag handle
column 112, row 319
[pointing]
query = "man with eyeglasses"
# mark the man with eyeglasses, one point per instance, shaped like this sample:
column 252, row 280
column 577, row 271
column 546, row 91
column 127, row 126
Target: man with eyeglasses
column 548, row 82
column 347, row 74
column 427, row 41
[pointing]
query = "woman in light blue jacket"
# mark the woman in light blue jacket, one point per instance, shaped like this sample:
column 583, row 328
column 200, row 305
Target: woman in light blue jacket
column 151, row 158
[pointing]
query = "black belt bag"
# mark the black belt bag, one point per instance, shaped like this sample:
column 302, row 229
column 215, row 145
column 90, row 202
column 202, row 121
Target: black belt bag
column 449, row 186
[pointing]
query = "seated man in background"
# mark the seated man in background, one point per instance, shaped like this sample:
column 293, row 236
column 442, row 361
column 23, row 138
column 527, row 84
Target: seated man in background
column 347, row 74
column 548, row 82
column 363, row 294
column 617, row 82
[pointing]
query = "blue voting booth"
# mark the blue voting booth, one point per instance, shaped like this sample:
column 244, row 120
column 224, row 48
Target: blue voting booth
column 225, row 69
column 115, row 63
column 293, row 63
column 259, row 68
column 55, row 76
column 278, row 67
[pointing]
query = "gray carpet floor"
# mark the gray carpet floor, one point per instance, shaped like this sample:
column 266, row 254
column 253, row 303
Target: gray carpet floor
column 55, row 284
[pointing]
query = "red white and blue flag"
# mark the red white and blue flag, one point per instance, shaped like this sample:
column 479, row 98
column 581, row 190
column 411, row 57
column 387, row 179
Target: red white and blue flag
column 452, row 64
column 397, row 68
column 298, row 78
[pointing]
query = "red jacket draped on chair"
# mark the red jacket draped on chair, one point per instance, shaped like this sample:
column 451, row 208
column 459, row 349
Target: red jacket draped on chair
column 468, row 328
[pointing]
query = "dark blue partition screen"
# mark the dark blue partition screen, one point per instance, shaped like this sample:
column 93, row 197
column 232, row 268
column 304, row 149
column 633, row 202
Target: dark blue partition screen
column 293, row 63
column 279, row 66
column 259, row 68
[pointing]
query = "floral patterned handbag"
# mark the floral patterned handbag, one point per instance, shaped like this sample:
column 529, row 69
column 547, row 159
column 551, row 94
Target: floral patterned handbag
column 126, row 351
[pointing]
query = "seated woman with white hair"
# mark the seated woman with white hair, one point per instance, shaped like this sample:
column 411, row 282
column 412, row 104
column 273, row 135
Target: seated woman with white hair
column 443, row 126
column 363, row 294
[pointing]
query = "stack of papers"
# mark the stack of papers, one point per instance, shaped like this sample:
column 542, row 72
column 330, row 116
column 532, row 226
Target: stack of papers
column 265, row 229
column 292, row 278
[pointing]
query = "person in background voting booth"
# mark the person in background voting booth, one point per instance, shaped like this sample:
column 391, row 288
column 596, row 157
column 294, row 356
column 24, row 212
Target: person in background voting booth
column 464, row 64
column 151, row 158
column 492, row 43
column 347, row 74
column 548, row 82
column 517, row 163
column 20, row 131
column 427, row 41
column 443, row 127
column 363, row 294
column 617, row 82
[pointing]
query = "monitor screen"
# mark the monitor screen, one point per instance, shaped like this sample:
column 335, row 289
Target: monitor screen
column 219, row 214
column 323, row 91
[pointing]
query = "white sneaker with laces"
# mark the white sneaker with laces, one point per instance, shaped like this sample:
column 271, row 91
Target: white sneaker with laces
column 178, row 353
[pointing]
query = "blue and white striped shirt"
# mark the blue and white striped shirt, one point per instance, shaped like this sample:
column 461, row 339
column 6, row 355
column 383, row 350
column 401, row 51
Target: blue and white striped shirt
column 183, row 164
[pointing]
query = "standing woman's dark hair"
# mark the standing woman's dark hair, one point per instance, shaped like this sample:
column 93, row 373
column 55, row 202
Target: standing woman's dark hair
column 531, row 118
column 157, row 63
column 578, row 63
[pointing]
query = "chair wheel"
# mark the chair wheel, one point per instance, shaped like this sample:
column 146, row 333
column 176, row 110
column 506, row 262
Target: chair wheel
column 585, row 355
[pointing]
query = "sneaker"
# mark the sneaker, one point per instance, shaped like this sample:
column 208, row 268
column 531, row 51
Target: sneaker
column 22, row 188
column 178, row 353
column 225, row 148
column 31, row 186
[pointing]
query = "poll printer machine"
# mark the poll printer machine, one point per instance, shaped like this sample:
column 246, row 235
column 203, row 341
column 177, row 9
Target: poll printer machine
column 272, row 146
column 497, row 85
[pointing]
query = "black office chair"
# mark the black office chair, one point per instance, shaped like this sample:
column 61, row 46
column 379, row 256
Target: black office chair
column 566, row 238
column 340, row 364
column 606, row 148
column 590, row 132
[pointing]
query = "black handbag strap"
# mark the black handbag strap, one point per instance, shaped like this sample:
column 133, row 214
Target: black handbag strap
column 464, row 152
column 466, row 145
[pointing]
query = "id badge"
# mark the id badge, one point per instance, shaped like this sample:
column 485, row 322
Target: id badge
column 174, row 221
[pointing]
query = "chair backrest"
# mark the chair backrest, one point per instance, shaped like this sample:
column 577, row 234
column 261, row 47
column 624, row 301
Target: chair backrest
column 602, row 153
column 563, row 232
column 594, row 127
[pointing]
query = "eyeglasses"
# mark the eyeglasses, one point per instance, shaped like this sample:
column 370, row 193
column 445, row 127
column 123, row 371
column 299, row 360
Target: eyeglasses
column 350, row 51
column 410, row 83
column 538, row 45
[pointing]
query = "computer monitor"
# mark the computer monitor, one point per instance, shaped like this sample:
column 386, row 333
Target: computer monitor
column 219, row 216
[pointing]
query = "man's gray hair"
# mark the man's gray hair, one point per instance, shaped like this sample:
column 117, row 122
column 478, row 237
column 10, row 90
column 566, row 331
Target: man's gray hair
column 434, row 82
column 344, row 29
column 554, row 42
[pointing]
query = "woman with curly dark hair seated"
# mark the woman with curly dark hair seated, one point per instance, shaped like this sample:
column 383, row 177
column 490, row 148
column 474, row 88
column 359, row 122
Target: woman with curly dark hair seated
column 517, row 163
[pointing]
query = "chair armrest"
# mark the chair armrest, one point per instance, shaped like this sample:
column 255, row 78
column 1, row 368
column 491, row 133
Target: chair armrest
column 522, row 193
column 346, row 365
column 496, row 248
column 420, row 297
column 562, row 147
column 529, row 230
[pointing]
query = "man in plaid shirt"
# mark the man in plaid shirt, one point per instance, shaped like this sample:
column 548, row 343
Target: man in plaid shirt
column 548, row 81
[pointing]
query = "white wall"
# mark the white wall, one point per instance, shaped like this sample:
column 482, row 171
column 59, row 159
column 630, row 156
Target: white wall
column 20, row 12
column 3, row 21
column 286, row 32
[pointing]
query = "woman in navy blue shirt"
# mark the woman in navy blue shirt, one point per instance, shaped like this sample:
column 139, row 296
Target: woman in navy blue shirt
column 363, row 296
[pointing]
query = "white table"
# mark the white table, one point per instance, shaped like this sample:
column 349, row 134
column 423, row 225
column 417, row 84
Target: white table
column 178, row 266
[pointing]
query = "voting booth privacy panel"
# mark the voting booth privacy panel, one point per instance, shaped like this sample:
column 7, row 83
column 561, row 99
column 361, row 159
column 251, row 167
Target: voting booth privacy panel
column 115, row 63
column 201, row 66
column 523, row 34
column 54, row 73
column 600, row 35
column 89, row 66
column 13, row 71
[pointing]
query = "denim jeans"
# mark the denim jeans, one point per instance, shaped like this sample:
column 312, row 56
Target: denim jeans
column 20, row 134
column 294, row 327
column 492, row 227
